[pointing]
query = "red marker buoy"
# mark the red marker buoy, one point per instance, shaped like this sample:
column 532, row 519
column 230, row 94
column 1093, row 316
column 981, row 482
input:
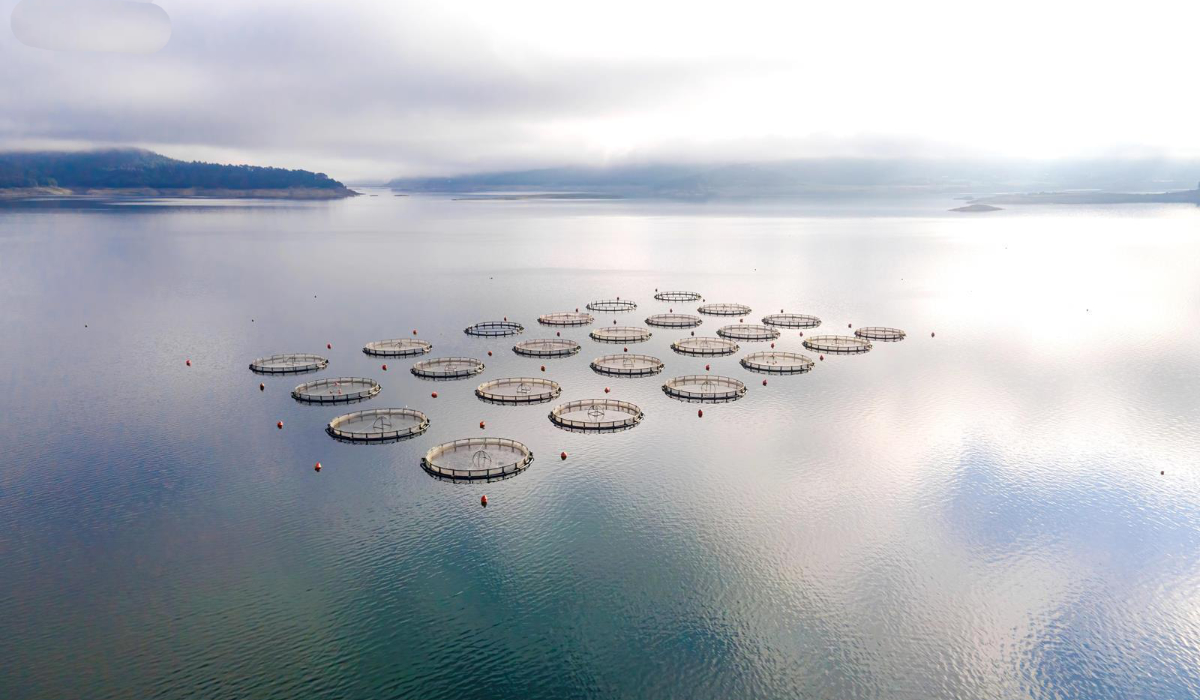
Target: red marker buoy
column 614, row 321
column 279, row 425
column 558, row 333
column 434, row 394
column 188, row 363
column 848, row 325
column 489, row 353
column 801, row 334
column 483, row 501
column 626, row 349
column 764, row 382
column 506, row 318
column 385, row 368
column 576, row 309
column 772, row 345
column 741, row 320
column 693, row 332
column 606, row 390
column 781, row 311
column 932, row 335
column 328, row 346
column 317, row 467
column 563, row 455
column 262, row 387
column 414, row 331
column 543, row 368
column 481, row 425
column 707, row 368
column 821, row 358
column 700, row 413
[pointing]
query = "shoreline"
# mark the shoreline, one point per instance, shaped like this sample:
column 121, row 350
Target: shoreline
column 292, row 193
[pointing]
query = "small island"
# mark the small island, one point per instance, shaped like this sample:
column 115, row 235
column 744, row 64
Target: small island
column 141, row 173
column 977, row 208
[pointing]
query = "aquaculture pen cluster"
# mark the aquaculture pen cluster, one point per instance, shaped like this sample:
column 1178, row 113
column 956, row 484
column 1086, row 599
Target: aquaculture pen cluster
column 489, row 458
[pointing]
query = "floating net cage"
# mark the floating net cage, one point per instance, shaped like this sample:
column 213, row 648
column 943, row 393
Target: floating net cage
column 778, row 362
column 724, row 309
column 518, row 390
column 792, row 320
column 612, row 305
column 887, row 335
column 704, row 346
column 748, row 331
column 621, row 334
column 494, row 329
column 674, row 321
column 336, row 390
column 447, row 368
column 627, row 365
column 397, row 347
column 546, row 347
column 378, row 425
column 677, row 296
column 596, row 415
column 477, row 458
column 566, row 318
column 289, row 363
column 704, row 388
column 837, row 344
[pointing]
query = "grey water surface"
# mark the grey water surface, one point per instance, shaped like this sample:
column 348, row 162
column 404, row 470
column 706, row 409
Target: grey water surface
column 1010, row 509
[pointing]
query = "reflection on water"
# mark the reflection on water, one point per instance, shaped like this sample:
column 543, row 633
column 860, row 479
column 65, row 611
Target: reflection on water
column 1008, row 509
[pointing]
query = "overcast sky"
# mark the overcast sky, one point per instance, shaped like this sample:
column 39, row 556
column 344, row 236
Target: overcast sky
column 378, row 88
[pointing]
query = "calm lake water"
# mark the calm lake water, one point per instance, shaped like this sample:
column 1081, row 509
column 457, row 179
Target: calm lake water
column 1010, row 509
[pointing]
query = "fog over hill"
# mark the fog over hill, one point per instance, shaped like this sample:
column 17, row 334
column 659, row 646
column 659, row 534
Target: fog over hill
column 829, row 177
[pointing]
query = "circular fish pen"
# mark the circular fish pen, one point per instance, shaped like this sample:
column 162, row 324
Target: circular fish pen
column 596, row 415
column 447, row 368
column 620, row 334
column 704, row 388
column 612, row 305
column 477, row 458
column 336, row 390
column 627, row 365
column 748, row 331
column 289, row 363
column 566, row 318
column 494, row 329
column 378, row 425
column 881, row 333
column 724, row 309
column 546, row 347
column 837, row 344
column 518, row 390
column 792, row 320
column 677, row 296
column 397, row 347
column 674, row 321
column 704, row 346
column 778, row 362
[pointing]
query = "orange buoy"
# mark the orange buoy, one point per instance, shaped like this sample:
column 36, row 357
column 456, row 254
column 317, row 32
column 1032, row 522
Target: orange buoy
column 385, row 368
column 434, row 394
column 481, row 425
column 188, row 363
column 606, row 390
column 483, row 501
column 543, row 368
column 563, row 455
column 317, row 467
column 279, row 425
column 262, row 387
column 700, row 413
column 489, row 353
column 764, row 382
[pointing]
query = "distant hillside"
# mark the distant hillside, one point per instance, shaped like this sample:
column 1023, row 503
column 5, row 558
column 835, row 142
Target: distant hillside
column 143, row 172
column 826, row 177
